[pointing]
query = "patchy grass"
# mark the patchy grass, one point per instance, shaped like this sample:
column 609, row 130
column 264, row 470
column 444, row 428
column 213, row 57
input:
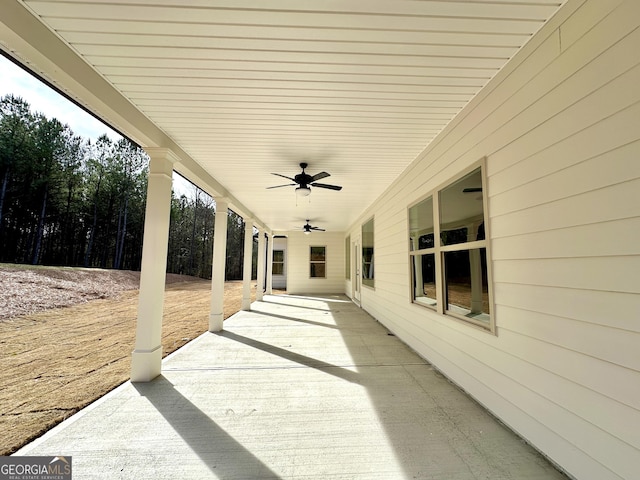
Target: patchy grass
column 59, row 359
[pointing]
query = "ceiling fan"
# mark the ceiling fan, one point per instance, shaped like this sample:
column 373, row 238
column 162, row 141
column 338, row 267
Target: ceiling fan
column 304, row 181
column 308, row 228
column 473, row 190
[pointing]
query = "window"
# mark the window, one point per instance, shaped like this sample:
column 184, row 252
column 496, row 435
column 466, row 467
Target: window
column 422, row 248
column 367, row 254
column 448, row 251
column 347, row 258
column 278, row 262
column 318, row 264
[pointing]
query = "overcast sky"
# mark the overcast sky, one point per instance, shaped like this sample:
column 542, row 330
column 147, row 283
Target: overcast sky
column 43, row 99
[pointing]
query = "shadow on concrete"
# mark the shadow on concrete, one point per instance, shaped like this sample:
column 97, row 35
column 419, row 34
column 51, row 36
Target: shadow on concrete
column 435, row 429
column 329, row 368
column 222, row 454
column 296, row 306
column 298, row 320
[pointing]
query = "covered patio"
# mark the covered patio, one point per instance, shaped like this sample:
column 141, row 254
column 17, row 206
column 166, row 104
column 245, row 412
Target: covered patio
column 298, row 387
column 481, row 146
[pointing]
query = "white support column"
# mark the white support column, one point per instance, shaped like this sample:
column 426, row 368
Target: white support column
column 216, row 315
column 247, row 264
column 261, row 270
column 269, row 289
column 146, row 359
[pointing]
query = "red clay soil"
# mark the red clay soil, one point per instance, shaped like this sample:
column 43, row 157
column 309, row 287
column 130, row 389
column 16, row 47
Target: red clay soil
column 66, row 337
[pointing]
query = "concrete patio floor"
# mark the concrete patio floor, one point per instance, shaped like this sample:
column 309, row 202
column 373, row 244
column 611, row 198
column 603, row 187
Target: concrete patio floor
column 298, row 388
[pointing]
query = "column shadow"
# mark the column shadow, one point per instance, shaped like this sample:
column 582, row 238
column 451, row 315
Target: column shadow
column 295, row 319
column 304, row 360
column 223, row 455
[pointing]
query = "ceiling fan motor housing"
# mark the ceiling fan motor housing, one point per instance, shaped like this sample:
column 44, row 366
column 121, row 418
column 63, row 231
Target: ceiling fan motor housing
column 303, row 179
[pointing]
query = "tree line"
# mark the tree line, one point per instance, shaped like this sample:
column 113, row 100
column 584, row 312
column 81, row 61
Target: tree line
column 68, row 201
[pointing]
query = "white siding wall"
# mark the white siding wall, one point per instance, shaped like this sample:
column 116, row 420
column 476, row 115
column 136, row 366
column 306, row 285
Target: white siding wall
column 560, row 127
column 298, row 280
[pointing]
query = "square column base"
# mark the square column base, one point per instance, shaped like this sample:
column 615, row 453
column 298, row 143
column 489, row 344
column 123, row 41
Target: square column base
column 215, row 322
column 146, row 365
column 246, row 304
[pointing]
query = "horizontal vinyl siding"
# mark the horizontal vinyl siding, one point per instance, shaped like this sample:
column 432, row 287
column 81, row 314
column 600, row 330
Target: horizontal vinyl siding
column 560, row 130
column 595, row 240
column 298, row 280
column 587, row 305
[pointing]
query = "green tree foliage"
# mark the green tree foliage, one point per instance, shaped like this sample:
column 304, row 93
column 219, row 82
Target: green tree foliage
column 67, row 201
column 191, row 234
column 16, row 125
column 63, row 200
column 191, row 237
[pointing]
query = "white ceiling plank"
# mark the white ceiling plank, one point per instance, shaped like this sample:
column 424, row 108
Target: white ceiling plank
column 284, row 112
column 206, row 127
column 308, row 96
column 195, row 78
column 485, row 8
column 443, row 92
column 345, row 14
column 381, row 47
column 172, row 29
column 187, row 64
column 215, row 120
column 307, row 58
column 308, row 106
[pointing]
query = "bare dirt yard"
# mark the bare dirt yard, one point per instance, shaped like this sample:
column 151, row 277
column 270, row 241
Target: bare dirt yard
column 66, row 337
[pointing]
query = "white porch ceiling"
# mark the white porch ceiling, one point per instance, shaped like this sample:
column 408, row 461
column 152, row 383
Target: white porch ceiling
column 357, row 88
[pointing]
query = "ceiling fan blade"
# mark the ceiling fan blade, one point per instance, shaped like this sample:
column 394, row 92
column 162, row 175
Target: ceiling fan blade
column 324, row 185
column 472, row 190
column 285, row 185
column 319, row 176
column 284, row 176
column 318, row 229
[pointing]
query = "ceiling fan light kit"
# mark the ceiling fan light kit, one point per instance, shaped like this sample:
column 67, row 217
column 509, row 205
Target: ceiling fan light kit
column 303, row 191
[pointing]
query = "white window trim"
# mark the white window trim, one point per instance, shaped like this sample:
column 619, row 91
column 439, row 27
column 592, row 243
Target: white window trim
column 439, row 250
column 317, row 261
column 282, row 262
column 373, row 256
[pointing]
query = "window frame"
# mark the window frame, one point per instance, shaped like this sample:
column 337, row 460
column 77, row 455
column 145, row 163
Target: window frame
column 419, row 252
column 439, row 251
column 368, row 282
column 274, row 262
column 317, row 262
